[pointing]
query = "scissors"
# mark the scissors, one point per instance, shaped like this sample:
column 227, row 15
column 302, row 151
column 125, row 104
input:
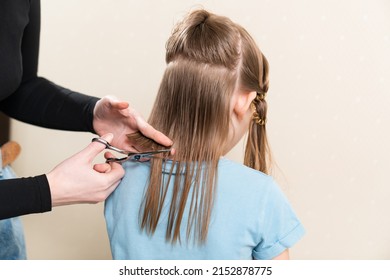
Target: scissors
column 133, row 156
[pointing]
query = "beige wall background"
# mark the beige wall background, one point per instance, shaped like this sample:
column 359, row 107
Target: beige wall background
column 328, row 120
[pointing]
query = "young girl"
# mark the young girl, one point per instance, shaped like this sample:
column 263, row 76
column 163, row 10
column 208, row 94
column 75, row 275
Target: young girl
column 198, row 204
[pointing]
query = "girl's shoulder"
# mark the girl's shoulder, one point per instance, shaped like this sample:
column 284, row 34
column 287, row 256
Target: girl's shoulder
column 236, row 174
column 239, row 169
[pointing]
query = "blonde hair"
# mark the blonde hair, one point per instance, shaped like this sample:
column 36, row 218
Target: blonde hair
column 207, row 57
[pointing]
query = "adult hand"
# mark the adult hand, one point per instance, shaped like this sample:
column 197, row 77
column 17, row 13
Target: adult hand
column 117, row 117
column 77, row 180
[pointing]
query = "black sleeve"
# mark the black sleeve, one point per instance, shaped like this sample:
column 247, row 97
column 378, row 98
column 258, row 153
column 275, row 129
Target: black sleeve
column 40, row 102
column 24, row 196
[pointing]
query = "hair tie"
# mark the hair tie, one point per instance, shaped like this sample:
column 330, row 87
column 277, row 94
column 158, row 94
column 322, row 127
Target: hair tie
column 260, row 96
column 256, row 118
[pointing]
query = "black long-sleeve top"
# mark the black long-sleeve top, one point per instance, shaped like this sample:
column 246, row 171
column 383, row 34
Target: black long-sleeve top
column 32, row 99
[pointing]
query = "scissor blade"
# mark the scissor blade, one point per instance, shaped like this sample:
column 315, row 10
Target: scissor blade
column 138, row 156
column 150, row 154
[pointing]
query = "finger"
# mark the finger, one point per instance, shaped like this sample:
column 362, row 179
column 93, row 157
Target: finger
column 120, row 105
column 95, row 148
column 112, row 179
column 117, row 104
column 115, row 174
column 102, row 167
column 150, row 132
column 108, row 155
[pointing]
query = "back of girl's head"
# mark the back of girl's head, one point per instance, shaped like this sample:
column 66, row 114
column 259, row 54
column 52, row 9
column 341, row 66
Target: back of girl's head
column 202, row 55
column 208, row 58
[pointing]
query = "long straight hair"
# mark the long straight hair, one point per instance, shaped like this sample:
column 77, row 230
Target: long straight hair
column 208, row 57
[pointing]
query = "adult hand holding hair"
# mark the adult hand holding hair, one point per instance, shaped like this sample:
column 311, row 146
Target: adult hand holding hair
column 117, row 117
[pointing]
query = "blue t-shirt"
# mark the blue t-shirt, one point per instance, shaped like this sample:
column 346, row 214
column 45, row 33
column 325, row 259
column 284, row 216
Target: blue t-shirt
column 251, row 218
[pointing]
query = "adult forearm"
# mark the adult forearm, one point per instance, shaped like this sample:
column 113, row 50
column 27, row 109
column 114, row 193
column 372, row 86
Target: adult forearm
column 43, row 103
column 24, row 196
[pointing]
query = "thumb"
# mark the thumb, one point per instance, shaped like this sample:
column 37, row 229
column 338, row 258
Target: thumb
column 114, row 102
column 94, row 148
column 119, row 105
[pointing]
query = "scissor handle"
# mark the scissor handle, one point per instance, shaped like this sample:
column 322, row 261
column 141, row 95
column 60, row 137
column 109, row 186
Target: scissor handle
column 102, row 141
column 109, row 146
column 118, row 160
